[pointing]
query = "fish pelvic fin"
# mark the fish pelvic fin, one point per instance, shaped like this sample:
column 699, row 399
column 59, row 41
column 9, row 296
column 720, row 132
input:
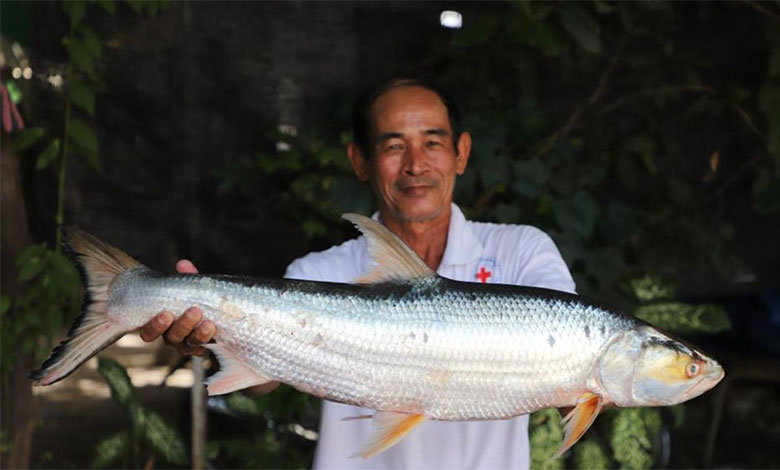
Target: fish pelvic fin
column 389, row 427
column 99, row 264
column 233, row 374
column 579, row 420
column 394, row 259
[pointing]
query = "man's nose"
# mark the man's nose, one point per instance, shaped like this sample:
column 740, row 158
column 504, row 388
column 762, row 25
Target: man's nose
column 415, row 161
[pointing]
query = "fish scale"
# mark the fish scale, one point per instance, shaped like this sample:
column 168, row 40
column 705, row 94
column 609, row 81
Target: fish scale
column 411, row 345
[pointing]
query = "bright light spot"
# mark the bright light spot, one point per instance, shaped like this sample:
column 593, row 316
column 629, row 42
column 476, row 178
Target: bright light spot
column 17, row 72
column 183, row 378
column 143, row 376
column 451, row 19
column 2, row 59
column 93, row 388
column 27, row 73
column 16, row 48
column 303, row 432
column 287, row 129
column 56, row 82
column 126, row 341
column 282, row 147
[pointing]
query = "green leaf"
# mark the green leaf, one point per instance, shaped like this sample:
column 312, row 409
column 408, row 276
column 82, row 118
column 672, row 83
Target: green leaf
column 109, row 6
column 48, row 155
column 644, row 147
column 82, row 134
column 30, row 269
column 632, row 432
column 5, row 304
column 91, row 41
column 111, row 450
column 589, row 454
column 28, row 137
column 529, row 177
column 680, row 192
column 82, row 96
column 767, row 199
column 577, row 213
column 118, row 381
column 581, row 25
column 163, row 438
column 545, row 435
column 649, row 288
column 75, row 11
column 684, row 319
column 80, row 55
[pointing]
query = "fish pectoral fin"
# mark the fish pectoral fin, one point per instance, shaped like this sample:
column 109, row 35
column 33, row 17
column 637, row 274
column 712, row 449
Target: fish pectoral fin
column 579, row 420
column 233, row 374
column 389, row 428
column 394, row 259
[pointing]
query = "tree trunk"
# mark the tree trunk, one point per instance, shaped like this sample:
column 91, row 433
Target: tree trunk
column 19, row 410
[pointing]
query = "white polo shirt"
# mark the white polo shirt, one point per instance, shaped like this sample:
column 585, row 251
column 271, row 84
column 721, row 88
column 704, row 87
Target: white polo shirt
column 476, row 252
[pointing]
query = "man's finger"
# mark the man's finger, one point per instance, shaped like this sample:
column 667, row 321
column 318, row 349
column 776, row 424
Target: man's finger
column 182, row 327
column 156, row 326
column 185, row 266
column 203, row 333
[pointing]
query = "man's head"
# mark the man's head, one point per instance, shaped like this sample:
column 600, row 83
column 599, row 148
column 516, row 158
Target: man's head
column 405, row 146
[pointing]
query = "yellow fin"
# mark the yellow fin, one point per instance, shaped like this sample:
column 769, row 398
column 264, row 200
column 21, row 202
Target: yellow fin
column 394, row 259
column 389, row 428
column 579, row 420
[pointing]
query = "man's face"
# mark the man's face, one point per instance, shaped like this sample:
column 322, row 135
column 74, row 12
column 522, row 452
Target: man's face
column 413, row 160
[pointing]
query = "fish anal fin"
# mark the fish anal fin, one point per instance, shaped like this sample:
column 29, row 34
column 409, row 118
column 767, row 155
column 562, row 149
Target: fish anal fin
column 389, row 428
column 579, row 420
column 233, row 375
column 393, row 258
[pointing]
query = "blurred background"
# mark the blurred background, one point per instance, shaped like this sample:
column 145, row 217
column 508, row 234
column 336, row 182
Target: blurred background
column 644, row 137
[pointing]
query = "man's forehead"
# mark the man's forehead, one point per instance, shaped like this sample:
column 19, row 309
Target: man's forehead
column 410, row 105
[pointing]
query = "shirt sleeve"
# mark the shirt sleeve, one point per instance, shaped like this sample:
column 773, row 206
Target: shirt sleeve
column 542, row 264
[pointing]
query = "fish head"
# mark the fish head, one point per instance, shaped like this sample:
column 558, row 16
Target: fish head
column 644, row 367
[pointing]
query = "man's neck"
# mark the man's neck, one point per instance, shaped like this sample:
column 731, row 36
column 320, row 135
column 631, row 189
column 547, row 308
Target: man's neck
column 427, row 238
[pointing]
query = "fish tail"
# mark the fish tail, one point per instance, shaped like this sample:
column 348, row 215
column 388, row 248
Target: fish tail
column 98, row 264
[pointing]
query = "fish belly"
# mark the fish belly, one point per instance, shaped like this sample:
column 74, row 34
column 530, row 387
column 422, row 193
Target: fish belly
column 444, row 353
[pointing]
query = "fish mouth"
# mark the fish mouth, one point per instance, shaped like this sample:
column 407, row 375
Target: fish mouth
column 712, row 376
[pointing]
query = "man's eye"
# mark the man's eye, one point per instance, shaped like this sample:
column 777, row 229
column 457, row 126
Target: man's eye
column 433, row 143
column 395, row 147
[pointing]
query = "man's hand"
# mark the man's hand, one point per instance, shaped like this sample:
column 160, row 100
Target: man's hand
column 186, row 333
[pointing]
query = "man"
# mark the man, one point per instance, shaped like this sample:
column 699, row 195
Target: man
column 409, row 147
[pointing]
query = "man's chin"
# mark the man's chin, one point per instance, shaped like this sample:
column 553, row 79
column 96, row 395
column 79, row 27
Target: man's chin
column 419, row 214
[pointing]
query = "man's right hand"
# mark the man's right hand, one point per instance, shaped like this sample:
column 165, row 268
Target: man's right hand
column 186, row 333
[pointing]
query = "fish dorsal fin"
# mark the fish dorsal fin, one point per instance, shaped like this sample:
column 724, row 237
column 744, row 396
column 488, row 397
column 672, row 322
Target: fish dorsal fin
column 394, row 259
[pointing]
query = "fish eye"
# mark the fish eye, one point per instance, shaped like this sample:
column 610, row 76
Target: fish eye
column 692, row 369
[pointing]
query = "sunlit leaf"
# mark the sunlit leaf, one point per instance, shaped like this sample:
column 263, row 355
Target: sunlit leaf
column 48, row 155
column 649, row 288
column 118, row 381
column 545, row 435
column 631, row 437
column 683, row 319
column 27, row 138
column 588, row 454
column 111, row 450
column 242, row 404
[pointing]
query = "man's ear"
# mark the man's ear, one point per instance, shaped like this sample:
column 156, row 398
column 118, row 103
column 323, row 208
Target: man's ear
column 464, row 150
column 358, row 160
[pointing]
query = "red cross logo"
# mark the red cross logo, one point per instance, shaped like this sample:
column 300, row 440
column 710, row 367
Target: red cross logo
column 483, row 275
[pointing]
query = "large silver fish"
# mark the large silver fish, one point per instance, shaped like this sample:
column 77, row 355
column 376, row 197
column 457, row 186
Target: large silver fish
column 401, row 340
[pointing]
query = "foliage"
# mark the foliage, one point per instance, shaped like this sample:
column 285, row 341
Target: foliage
column 149, row 435
column 276, row 438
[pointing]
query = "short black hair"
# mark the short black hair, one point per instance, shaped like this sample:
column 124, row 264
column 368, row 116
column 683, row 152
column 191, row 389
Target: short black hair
column 361, row 111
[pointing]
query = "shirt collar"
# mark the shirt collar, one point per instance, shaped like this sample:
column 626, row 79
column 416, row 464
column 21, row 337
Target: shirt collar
column 463, row 246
